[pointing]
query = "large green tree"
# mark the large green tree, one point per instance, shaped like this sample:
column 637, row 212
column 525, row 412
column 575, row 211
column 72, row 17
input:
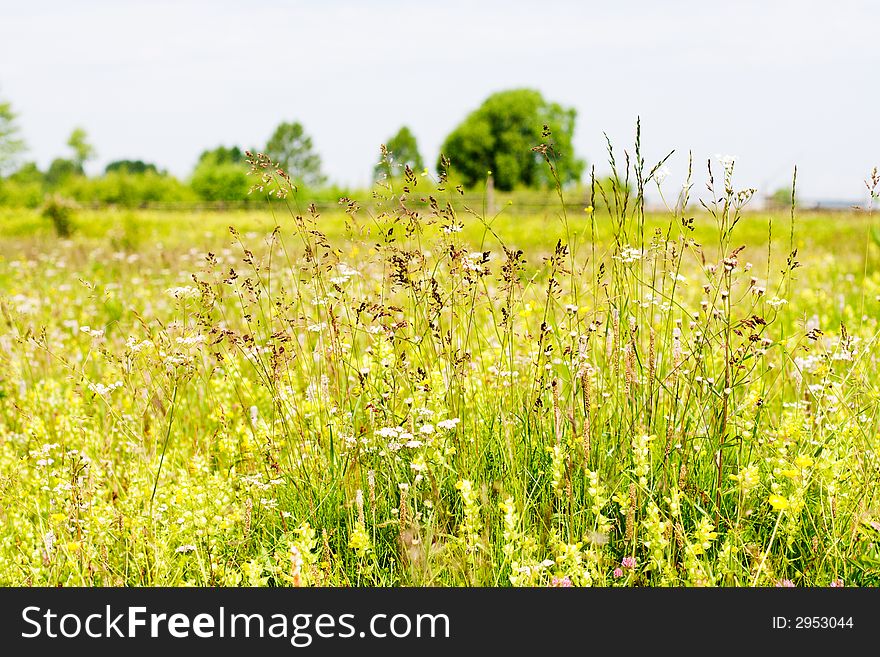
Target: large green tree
column 402, row 150
column 292, row 149
column 500, row 135
column 11, row 144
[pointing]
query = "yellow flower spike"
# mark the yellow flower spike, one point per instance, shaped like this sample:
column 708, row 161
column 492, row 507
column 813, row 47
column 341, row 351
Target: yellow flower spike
column 803, row 461
column 791, row 474
column 778, row 502
column 359, row 541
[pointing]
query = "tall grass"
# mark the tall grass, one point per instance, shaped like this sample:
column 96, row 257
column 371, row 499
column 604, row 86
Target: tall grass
column 410, row 395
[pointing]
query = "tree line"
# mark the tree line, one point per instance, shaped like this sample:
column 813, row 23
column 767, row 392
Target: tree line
column 508, row 137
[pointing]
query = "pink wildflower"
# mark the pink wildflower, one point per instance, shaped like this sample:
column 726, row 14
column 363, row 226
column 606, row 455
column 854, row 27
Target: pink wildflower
column 564, row 582
column 628, row 562
column 617, row 573
column 785, row 583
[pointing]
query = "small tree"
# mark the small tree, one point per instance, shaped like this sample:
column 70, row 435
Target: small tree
column 221, row 175
column 83, row 151
column 781, row 198
column 11, row 144
column 402, row 150
column 223, row 155
column 500, row 135
column 291, row 148
column 61, row 170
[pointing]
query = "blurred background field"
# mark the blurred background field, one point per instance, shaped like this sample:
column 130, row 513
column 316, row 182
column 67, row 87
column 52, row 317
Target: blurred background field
column 847, row 235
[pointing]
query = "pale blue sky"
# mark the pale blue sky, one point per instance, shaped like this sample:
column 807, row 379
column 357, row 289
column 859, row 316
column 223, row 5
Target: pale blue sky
column 775, row 83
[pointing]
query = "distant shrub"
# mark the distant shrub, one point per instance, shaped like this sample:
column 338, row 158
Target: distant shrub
column 24, row 188
column 16, row 193
column 60, row 171
column 60, row 211
column 127, row 189
column 220, row 182
column 781, row 198
column 131, row 166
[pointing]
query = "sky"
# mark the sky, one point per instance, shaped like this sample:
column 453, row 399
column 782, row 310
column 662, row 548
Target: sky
column 771, row 82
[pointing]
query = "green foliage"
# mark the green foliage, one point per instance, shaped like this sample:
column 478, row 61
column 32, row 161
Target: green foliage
column 500, row 135
column 11, row 144
column 24, row 188
column 128, row 190
column 122, row 186
column 781, row 198
column 220, row 182
column 223, row 155
column 401, row 150
column 591, row 459
column 221, row 175
column 60, row 211
column 60, row 171
column 83, row 151
column 28, row 172
column 130, row 166
column 292, row 149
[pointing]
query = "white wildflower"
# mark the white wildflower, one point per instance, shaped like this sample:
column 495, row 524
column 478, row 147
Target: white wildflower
column 183, row 292
column 662, row 174
column 448, row 424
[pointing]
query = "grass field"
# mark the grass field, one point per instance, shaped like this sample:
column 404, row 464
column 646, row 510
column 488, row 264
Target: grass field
column 375, row 397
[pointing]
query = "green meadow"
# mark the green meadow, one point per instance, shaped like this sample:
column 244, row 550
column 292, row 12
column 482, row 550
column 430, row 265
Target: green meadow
column 401, row 394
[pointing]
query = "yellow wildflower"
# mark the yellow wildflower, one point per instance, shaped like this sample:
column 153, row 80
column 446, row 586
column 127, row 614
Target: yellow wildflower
column 778, row 502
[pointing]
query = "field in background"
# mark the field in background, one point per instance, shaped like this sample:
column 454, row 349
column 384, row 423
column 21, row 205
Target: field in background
column 841, row 233
column 364, row 398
